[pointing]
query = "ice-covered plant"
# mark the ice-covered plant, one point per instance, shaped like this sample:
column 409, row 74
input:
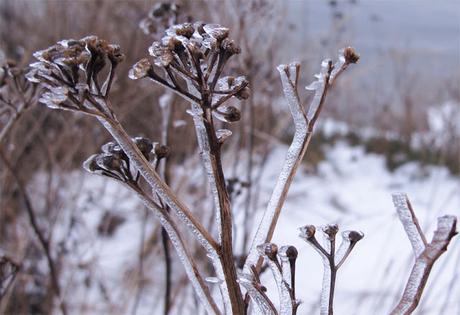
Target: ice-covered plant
column 190, row 60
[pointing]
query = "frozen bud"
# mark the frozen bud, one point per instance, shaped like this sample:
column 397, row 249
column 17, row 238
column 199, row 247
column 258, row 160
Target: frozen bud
column 228, row 114
column 268, row 249
column 195, row 50
column 162, row 151
column 90, row 164
column 54, row 97
column 114, row 54
column 216, row 31
column 244, row 94
column 110, row 147
column 222, row 135
column 31, row 76
column 350, row 55
column 225, row 83
column 307, row 231
column 330, row 230
column 144, row 145
column 109, row 162
column 230, row 47
column 185, row 29
column 46, row 54
column 290, row 252
column 140, row 70
column 353, row 236
column 163, row 54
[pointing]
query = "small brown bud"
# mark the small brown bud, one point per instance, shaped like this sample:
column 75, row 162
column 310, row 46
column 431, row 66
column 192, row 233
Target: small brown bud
column 244, row 94
column 109, row 162
column 330, row 230
column 307, row 231
column 268, row 249
column 230, row 114
column 162, row 151
column 140, row 70
column 216, row 31
column 350, row 55
column 144, row 145
column 90, row 164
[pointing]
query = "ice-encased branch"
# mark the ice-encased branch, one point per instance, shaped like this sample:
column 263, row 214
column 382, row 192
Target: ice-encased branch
column 424, row 257
column 185, row 257
column 332, row 259
column 262, row 304
column 410, row 223
column 282, row 265
column 304, row 125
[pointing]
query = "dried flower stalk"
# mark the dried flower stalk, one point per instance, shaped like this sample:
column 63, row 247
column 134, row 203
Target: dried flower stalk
column 332, row 259
column 425, row 253
column 304, row 124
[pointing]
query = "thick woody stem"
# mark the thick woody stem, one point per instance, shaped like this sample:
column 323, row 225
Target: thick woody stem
column 211, row 156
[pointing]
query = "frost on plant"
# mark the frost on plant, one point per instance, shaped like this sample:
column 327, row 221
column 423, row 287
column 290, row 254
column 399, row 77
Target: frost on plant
column 333, row 258
column 425, row 253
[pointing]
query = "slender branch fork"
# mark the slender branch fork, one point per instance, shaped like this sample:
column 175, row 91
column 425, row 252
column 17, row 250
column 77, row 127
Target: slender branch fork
column 425, row 253
column 304, row 124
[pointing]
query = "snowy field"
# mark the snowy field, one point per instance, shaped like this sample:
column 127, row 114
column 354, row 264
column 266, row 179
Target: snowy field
column 351, row 188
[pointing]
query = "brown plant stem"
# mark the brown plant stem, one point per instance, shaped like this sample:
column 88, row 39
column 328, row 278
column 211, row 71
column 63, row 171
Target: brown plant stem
column 44, row 243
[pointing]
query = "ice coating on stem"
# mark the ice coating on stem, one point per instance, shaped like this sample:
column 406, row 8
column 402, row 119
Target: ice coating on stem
column 332, row 259
column 262, row 303
column 184, row 256
column 156, row 183
column 319, row 87
column 286, row 300
column 424, row 257
column 410, row 223
column 289, row 75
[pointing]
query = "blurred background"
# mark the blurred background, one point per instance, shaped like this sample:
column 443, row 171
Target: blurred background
column 392, row 123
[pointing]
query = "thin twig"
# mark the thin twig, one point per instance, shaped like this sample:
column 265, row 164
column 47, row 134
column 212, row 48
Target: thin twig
column 44, row 243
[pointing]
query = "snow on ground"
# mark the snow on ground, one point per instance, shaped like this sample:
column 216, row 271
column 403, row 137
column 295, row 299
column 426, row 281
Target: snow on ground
column 351, row 188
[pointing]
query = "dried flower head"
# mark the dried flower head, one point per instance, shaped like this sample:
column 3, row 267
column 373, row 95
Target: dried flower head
column 194, row 56
column 113, row 161
column 350, row 55
column 69, row 71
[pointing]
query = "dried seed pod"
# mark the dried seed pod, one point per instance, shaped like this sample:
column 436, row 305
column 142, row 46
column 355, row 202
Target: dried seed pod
column 307, row 231
column 244, row 94
column 184, row 29
column 162, row 151
column 230, row 47
column 350, row 55
column 109, row 162
column 353, row 236
column 228, row 114
column 141, row 69
column 91, row 165
column 331, row 231
column 268, row 249
column 216, row 31
column 144, row 145
column 289, row 252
